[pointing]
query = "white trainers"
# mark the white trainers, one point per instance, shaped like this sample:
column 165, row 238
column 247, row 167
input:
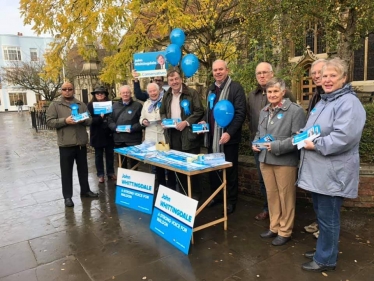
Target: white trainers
column 311, row 228
column 316, row 234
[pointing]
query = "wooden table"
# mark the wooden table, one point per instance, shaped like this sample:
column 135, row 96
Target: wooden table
column 222, row 187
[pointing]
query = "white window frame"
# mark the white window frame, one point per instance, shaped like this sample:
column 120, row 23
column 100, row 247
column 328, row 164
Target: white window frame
column 15, row 54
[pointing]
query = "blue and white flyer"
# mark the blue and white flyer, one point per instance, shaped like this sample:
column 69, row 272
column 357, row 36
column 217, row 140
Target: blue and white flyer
column 103, row 107
column 173, row 218
column 170, row 123
column 123, row 128
column 260, row 142
column 135, row 190
column 81, row 117
column 309, row 134
column 150, row 64
column 200, row 128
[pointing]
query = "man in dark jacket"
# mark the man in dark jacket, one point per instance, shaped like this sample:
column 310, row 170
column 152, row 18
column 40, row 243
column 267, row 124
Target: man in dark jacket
column 72, row 139
column 226, row 139
column 316, row 74
column 257, row 100
column 126, row 112
column 143, row 95
column 184, row 103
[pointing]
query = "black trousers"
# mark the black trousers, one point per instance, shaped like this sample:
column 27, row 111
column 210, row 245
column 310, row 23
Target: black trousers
column 231, row 155
column 67, row 157
column 176, row 144
column 125, row 159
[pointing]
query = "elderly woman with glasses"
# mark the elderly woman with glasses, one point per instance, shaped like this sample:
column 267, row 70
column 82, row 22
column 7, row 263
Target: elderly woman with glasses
column 151, row 120
column 101, row 137
column 279, row 158
column 329, row 165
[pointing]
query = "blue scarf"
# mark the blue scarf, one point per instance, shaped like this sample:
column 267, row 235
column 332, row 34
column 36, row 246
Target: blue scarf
column 154, row 104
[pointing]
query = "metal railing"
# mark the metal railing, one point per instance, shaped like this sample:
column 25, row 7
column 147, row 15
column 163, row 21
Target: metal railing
column 38, row 118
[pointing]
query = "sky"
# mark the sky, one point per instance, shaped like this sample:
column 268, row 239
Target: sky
column 11, row 21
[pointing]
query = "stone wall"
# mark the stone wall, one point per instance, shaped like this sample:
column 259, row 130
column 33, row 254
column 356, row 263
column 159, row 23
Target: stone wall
column 248, row 184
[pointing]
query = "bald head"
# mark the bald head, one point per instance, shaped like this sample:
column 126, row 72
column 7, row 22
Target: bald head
column 264, row 72
column 67, row 91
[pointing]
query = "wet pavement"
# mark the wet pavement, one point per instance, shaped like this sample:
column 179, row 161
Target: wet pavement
column 42, row 240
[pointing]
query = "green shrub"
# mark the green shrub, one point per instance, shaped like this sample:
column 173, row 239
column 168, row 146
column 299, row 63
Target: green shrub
column 367, row 141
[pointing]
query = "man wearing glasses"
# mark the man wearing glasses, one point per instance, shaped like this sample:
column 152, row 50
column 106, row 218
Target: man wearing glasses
column 143, row 95
column 257, row 100
column 72, row 139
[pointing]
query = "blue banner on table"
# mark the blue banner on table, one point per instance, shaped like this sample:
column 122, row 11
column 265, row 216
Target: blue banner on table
column 173, row 218
column 103, row 107
column 135, row 190
column 150, row 64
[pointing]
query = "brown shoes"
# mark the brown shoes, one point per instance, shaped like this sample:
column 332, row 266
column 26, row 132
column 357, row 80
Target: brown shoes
column 262, row 216
column 101, row 179
column 112, row 177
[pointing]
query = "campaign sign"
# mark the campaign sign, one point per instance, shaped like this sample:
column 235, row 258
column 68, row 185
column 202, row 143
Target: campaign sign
column 173, row 218
column 123, row 128
column 200, row 128
column 103, row 107
column 260, row 143
column 308, row 134
column 135, row 190
column 170, row 123
column 150, row 64
column 81, row 117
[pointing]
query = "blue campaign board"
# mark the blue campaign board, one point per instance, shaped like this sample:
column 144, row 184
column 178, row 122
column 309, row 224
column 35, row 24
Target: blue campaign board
column 135, row 190
column 150, row 64
column 173, row 218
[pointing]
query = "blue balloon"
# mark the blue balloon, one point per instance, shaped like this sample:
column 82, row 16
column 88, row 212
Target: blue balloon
column 177, row 37
column 190, row 64
column 173, row 54
column 223, row 113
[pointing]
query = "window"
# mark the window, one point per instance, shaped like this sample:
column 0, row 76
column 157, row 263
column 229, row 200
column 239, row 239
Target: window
column 314, row 38
column 12, row 53
column 363, row 60
column 14, row 97
column 33, row 54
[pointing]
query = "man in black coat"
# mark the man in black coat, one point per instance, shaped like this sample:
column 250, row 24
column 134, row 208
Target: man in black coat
column 230, row 136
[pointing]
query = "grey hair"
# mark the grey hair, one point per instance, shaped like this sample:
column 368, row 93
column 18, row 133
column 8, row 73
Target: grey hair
column 276, row 82
column 154, row 85
column 125, row 86
column 317, row 62
column 337, row 64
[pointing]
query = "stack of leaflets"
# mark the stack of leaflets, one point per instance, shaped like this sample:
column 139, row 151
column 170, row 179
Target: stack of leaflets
column 309, row 134
column 124, row 128
column 200, row 128
column 81, row 117
column 170, row 123
column 260, row 142
column 103, row 107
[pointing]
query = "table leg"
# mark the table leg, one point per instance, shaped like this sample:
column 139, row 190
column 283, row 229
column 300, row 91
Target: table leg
column 119, row 161
column 224, row 199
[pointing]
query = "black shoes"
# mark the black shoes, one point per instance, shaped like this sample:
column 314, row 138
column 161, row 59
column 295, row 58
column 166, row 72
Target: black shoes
column 69, row 202
column 315, row 267
column 214, row 202
column 309, row 254
column 268, row 234
column 280, row 240
column 90, row 194
column 231, row 208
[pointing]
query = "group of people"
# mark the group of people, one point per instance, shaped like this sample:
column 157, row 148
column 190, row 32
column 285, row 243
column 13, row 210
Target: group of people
column 328, row 166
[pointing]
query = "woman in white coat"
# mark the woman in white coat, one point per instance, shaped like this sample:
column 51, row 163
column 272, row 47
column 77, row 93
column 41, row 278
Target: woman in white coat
column 151, row 120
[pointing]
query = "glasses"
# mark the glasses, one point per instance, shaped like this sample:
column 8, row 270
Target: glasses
column 67, row 89
column 263, row 73
column 315, row 72
column 100, row 94
column 158, row 80
column 125, row 93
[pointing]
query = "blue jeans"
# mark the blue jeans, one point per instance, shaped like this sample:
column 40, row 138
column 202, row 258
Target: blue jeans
column 109, row 160
column 327, row 209
column 261, row 181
